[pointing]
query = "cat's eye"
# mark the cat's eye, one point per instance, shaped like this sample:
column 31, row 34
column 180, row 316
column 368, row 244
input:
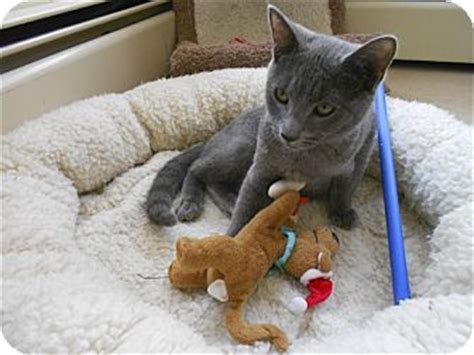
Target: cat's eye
column 281, row 96
column 324, row 109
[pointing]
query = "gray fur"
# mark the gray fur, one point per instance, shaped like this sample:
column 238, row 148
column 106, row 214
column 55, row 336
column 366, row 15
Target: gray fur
column 167, row 185
column 291, row 140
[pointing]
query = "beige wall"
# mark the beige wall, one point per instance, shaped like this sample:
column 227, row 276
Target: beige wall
column 428, row 31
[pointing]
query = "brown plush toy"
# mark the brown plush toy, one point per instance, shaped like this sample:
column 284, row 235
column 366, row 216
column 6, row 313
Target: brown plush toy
column 240, row 262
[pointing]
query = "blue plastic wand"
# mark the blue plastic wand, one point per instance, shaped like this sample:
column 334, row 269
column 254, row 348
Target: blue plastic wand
column 400, row 282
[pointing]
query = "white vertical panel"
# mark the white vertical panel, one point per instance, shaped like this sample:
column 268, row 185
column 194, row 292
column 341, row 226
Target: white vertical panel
column 112, row 63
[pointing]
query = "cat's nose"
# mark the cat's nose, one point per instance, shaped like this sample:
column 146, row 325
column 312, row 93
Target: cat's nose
column 287, row 137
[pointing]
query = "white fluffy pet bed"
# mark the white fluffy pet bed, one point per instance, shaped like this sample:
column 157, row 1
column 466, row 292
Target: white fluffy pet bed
column 75, row 235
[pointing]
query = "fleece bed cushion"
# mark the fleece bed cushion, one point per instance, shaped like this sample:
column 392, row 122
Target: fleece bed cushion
column 76, row 242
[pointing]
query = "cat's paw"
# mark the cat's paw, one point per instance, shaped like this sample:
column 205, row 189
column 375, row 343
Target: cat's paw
column 161, row 216
column 345, row 220
column 188, row 211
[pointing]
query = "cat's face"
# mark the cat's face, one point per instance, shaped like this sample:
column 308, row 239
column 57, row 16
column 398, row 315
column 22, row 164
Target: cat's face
column 320, row 87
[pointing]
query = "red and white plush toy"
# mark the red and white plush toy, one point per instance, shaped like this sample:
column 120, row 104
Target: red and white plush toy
column 307, row 256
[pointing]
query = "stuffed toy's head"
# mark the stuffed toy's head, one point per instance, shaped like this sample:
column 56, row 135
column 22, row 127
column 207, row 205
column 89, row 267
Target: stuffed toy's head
column 311, row 263
column 311, row 258
column 313, row 250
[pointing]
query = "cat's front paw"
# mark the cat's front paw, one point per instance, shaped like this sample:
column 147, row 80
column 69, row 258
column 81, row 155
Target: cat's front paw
column 345, row 220
column 188, row 211
column 161, row 215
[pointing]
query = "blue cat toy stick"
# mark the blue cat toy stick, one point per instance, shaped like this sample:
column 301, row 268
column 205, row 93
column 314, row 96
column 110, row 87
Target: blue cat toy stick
column 400, row 283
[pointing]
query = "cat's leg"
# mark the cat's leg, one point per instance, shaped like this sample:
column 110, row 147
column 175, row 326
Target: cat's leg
column 316, row 191
column 226, row 160
column 222, row 178
column 252, row 197
column 167, row 185
column 343, row 187
column 192, row 194
column 341, row 191
column 224, row 196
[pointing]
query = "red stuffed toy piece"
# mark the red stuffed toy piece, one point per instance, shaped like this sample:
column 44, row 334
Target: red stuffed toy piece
column 320, row 290
column 319, row 285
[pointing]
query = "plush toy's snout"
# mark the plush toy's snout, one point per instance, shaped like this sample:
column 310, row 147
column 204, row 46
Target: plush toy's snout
column 324, row 261
column 314, row 270
column 328, row 245
column 326, row 238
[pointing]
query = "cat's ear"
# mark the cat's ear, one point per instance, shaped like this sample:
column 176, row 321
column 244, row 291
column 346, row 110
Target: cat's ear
column 370, row 62
column 283, row 37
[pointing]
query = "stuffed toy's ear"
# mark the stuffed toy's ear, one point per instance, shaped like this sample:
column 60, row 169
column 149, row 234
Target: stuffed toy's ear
column 218, row 290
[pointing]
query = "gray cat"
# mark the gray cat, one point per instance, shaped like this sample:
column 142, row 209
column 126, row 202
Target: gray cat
column 317, row 126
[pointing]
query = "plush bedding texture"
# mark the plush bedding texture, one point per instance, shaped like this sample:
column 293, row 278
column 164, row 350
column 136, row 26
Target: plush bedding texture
column 76, row 242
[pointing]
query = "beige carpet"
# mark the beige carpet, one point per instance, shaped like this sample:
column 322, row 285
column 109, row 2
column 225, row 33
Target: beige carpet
column 218, row 21
column 445, row 85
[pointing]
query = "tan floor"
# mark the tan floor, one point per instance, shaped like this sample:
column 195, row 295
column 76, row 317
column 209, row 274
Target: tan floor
column 446, row 86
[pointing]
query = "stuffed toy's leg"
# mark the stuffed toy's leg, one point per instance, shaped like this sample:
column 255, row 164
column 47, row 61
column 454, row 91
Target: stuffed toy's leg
column 246, row 333
column 277, row 213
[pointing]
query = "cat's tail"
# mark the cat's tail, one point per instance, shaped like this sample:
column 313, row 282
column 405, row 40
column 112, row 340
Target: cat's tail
column 167, row 185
